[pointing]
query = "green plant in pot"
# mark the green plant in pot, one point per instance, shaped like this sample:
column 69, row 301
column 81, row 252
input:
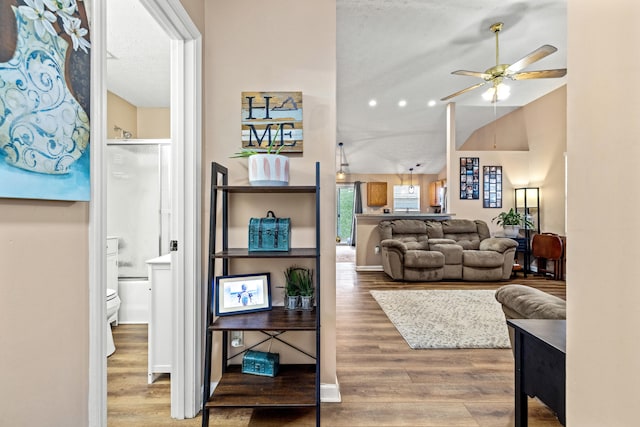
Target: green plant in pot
column 299, row 282
column 512, row 221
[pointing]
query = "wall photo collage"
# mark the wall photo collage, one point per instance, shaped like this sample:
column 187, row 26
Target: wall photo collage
column 470, row 182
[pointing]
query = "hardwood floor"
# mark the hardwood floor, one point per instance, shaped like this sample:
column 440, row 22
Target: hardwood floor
column 382, row 381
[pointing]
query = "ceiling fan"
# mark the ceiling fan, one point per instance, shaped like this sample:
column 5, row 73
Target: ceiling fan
column 495, row 75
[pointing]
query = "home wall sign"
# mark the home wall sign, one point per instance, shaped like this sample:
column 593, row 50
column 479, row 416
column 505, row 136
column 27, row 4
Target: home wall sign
column 469, row 178
column 492, row 186
column 272, row 117
column 45, row 70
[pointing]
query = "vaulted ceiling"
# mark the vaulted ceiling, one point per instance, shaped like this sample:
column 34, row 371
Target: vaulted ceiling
column 387, row 50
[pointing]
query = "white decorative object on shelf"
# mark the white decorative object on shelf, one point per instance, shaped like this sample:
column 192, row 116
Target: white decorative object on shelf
column 268, row 169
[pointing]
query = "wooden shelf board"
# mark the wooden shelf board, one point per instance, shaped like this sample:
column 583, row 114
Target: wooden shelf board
column 244, row 253
column 294, row 386
column 276, row 319
column 266, row 189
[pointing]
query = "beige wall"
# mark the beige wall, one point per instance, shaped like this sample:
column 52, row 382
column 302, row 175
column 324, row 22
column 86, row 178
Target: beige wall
column 44, row 313
column 154, row 123
column 603, row 134
column 240, row 57
column 142, row 122
column 122, row 114
column 542, row 126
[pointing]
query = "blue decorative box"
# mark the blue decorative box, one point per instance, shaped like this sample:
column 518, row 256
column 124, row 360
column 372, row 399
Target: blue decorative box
column 269, row 234
column 260, row 363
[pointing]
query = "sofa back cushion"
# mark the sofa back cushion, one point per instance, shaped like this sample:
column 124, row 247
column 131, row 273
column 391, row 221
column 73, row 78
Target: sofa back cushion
column 465, row 232
column 404, row 230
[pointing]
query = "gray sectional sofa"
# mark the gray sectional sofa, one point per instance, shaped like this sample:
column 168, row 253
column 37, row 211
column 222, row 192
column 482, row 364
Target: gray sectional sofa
column 455, row 249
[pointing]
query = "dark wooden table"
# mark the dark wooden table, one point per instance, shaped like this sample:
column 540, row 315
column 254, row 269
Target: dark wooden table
column 539, row 351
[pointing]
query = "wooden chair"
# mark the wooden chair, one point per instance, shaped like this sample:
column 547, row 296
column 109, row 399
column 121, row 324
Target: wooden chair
column 547, row 247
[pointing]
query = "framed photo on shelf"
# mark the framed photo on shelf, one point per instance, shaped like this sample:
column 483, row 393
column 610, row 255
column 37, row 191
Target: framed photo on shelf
column 469, row 178
column 492, row 187
column 241, row 294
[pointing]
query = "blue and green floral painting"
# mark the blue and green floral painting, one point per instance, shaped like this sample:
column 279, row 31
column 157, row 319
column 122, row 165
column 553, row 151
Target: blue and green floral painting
column 45, row 70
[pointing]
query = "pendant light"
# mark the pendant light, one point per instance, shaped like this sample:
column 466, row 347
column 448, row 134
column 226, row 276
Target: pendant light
column 341, row 174
column 411, row 188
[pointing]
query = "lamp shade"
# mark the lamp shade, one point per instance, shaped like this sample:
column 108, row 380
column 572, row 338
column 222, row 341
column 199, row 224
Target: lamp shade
column 527, row 197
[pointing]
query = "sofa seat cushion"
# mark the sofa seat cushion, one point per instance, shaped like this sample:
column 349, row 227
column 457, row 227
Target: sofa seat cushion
column 423, row 259
column 524, row 302
column 482, row 259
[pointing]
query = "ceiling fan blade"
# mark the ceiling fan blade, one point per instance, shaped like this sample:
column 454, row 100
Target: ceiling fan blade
column 479, row 74
column 542, row 74
column 460, row 92
column 534, row 56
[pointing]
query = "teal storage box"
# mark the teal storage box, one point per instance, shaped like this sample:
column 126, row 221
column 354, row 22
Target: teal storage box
column 260, row 363
column 269, row 234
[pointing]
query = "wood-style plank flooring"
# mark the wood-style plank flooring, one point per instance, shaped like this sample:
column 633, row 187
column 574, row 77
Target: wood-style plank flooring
column 382, row 381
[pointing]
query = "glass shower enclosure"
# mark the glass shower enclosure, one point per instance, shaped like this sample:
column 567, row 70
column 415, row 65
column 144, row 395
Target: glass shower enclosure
column 138, row 202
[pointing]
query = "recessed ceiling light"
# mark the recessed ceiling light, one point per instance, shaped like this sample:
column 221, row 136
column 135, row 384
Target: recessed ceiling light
column 402, row 103
column 373, row 103
column 432, row 103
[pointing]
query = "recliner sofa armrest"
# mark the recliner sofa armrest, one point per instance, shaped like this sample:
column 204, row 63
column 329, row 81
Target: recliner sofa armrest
column 403, row 246
column 497, row 244
column 393, row 244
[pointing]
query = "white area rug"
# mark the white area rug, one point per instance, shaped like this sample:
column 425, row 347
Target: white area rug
column 446, row 318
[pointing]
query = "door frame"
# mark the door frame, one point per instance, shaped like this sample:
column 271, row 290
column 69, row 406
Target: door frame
column 186, row 134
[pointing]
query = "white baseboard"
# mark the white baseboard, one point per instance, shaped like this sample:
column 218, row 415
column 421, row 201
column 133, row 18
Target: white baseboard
column 369, row 268
column 330, row 393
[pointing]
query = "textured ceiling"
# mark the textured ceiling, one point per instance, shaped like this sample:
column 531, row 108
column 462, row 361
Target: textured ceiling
column 387, row 50
column 138, row 69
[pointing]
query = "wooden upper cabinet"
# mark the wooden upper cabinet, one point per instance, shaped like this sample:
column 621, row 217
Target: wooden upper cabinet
column 434, row 193
column 376, row 193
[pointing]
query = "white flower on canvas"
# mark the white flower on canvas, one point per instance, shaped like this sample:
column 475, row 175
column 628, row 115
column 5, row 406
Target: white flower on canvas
column 45, row 13
column 42, row 18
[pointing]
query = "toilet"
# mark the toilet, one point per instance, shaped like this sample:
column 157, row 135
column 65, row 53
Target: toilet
column 113, row 304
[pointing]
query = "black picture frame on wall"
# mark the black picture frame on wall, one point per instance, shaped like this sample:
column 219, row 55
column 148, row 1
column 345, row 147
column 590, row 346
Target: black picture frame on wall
column 492, row 186
column 469, row 178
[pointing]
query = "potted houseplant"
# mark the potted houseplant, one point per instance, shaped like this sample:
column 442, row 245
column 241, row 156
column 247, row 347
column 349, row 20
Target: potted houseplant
column 512, row 221
column 266, row 165
column 291, row 288
column 305, row 281
column 299, row 285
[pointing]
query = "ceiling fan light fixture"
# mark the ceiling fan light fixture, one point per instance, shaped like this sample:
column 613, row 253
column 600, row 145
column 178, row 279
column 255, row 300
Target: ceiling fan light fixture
column 503, row 91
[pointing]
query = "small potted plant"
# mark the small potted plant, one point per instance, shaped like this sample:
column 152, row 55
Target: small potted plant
column 266, row 165
column 511, row 222
column 299, row 283
column 305, row 276
column 291, row 288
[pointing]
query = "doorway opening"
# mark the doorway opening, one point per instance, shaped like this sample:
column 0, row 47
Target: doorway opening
column 344, row 214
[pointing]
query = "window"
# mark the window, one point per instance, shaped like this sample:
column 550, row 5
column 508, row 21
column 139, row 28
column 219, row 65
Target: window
column 405, row 200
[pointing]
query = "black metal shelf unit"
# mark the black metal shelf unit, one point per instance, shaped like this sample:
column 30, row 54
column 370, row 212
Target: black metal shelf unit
column 527, row 201
column 295, row 385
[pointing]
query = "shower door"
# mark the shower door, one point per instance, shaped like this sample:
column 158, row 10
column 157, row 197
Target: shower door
column 138, row 199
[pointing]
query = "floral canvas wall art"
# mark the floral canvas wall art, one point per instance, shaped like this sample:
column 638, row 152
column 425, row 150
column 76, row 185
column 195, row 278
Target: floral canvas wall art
column 45, row 70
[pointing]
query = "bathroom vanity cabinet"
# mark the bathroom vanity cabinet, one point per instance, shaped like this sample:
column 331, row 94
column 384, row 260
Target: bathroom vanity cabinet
column 112, row 266
column 160, row 333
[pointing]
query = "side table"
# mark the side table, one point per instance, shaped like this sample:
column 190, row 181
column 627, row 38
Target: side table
column 540, row 360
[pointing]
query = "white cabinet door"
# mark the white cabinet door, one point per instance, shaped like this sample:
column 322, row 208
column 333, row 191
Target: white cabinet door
column 160, row 322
